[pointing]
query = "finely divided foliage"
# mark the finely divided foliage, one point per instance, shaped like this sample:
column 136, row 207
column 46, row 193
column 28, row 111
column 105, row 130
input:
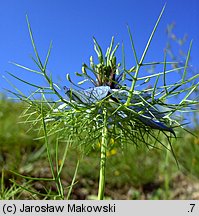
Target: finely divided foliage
column 116, row 105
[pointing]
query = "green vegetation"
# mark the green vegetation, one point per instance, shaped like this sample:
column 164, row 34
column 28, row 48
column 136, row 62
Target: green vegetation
column 124, row 141
column 133, row 173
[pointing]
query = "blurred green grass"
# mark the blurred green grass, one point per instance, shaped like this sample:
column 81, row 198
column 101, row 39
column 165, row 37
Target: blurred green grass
column 132, row 172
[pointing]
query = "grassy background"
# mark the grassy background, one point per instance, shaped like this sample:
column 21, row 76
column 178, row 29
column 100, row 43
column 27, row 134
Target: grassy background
column 132, row 173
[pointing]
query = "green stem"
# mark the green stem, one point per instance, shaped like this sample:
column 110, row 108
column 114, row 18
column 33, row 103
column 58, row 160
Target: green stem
column 103, row 158
column 139, row 64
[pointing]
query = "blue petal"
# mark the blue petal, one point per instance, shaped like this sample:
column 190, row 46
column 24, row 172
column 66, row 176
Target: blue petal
column 150, row 116
column 88, row 96
column 156, row 125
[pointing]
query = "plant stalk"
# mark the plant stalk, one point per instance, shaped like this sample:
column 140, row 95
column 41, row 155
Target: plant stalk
column 103, row 158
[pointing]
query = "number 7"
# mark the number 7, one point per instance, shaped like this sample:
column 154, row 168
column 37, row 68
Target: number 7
column 192, row 206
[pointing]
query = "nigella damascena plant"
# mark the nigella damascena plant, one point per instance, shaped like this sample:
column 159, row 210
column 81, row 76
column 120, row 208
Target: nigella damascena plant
column 120, row 105
column 117, row 105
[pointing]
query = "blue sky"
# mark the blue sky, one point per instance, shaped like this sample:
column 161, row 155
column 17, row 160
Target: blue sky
column 72, row 24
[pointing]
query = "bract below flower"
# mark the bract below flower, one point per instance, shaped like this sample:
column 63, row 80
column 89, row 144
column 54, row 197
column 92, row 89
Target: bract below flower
column 144, row 112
